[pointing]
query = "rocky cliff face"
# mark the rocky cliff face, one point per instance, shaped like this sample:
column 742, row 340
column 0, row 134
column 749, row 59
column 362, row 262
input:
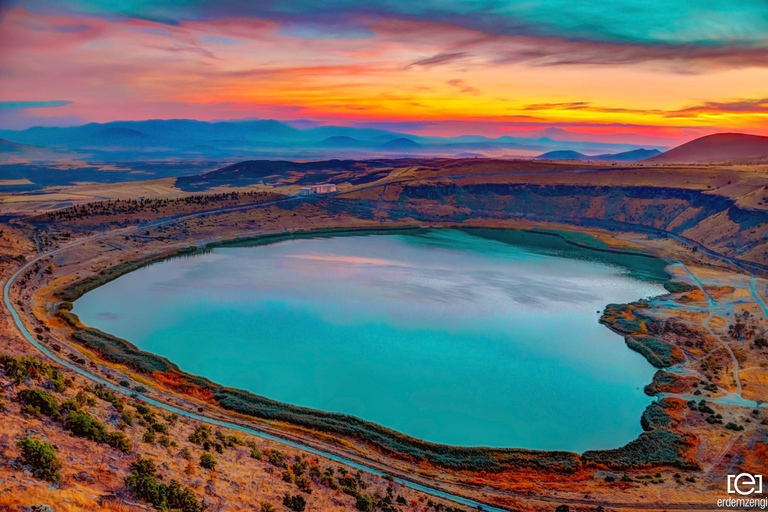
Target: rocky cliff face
column 715, row 222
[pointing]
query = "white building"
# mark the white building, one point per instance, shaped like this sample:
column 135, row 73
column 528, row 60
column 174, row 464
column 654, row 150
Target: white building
column 326, row 188
column 323, row 189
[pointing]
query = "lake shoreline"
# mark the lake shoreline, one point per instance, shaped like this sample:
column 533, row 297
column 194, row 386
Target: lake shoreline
column 306, row 293
column 389, row 441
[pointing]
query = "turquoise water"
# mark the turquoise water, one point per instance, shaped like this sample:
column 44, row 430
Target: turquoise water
column 466, row 338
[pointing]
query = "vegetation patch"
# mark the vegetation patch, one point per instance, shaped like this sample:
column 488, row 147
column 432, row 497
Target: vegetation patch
column 678, row 287
column 144, row 483
column 655, row 416
column 393, row 442
column 667, row 382
column 626, row 319
column 120, row 351
column 82, row 424
column 79, row 288
column 25, row 368
column 660, row 447
column 41, row 457
column 657, row 352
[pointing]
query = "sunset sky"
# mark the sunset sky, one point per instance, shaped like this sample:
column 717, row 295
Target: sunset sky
column 641, row 71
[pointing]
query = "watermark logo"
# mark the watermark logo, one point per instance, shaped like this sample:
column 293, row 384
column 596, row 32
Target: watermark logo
column 745, row 484
column 746, row 491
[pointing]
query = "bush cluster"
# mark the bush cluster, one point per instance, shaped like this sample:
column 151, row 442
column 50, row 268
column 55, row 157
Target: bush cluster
column 22, row 369
column 82, row 424
column 143, row 482
column 41, row 456
column 38, row 402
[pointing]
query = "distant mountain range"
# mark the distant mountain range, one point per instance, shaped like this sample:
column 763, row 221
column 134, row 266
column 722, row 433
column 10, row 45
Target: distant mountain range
column 634, row 155
column 239, row 140
column 231, row 141
column 720, row 147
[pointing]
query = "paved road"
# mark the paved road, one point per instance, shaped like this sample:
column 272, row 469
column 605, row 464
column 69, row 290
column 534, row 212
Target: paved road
column 372, row 468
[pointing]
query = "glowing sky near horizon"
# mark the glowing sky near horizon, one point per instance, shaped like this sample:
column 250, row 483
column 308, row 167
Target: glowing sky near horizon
column 625, row 71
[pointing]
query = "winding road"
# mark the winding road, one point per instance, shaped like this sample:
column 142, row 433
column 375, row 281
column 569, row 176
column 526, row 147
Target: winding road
column 402, row 478
column 182, row 412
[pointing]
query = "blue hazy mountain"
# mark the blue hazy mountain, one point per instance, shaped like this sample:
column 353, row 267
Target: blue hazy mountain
column 634, row 155
column 185, row 138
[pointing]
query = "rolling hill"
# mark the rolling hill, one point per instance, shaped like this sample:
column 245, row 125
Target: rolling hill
column 720, row 147
column 627, row 156
column 401, row 144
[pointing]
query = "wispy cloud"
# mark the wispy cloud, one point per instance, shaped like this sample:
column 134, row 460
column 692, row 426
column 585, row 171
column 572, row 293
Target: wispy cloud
column 463, row 87
column 20, row 105
column 650, row 67
column 438, row 60
column 740, row 106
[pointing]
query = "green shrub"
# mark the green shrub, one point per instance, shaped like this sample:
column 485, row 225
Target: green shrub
column 303, row 483
column 276, row 458
column 201, row 434
column 82, row 424
column 41, row 456
column 21, row 369
column 142, row 481
column 84, row 399
column 365, row 503
column 159, row 428
column 37, row 401
column 256, row 453
column 296, row 503
column 149, row 437
column 299, row 467
column 107, row 395
column 119, row 441
column 127, row 417
column 207, row 461
column 265, row 506
column 228, row 441
column 68, row 406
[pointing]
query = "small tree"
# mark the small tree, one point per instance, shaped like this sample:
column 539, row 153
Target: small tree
column 296, row 503
column 207, row 461
column 37, row 401
column 266, row 506
column 42, row 457
column 365, row 503
column 143, row 482
column 276, row 458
